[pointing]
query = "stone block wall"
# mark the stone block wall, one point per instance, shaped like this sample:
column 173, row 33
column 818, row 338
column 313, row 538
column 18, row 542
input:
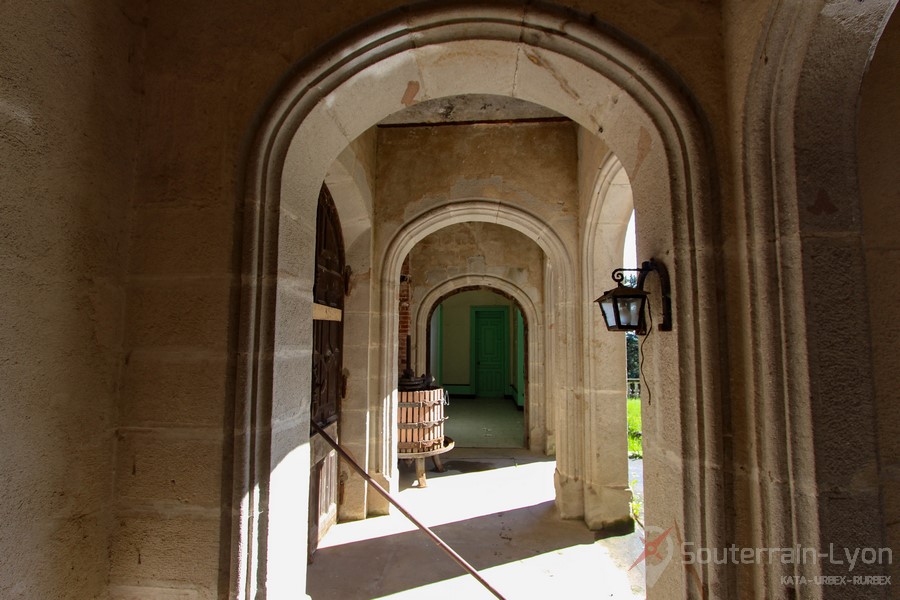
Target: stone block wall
column 879, row 128
column 68, row 135
column 125, row 137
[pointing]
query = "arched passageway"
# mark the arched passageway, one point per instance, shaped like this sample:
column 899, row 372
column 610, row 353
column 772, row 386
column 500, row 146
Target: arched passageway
column 551, row 245
column 163, row 168
column 535, row 405
column 478, row 335
column 506, row 51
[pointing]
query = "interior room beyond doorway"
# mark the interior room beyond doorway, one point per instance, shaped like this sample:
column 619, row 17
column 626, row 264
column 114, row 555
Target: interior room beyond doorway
column 478, row 342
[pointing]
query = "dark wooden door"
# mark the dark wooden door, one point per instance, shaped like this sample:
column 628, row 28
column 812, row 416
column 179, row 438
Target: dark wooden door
column 328, row 326
column 327, row 367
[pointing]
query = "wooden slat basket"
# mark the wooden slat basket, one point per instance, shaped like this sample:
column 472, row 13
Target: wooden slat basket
column 420, row 420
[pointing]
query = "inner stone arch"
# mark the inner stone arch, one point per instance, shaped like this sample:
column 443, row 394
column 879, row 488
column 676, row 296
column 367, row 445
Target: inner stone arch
column 561, row 279
column 536, row 407
column 610, row 205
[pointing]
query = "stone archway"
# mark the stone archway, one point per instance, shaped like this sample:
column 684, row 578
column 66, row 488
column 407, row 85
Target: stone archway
column 563, row 280
column 353, row 197
column 603, row 240
column 800, row 222
column 508, row 50
column 535, row 414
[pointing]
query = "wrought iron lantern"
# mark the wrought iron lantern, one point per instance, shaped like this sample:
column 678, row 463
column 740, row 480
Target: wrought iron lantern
column 623, row 306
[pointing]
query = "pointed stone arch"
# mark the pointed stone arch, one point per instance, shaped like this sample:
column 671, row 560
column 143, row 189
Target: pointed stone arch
column 562, row 280
column 520, row 50
column 536, row 414
column 800, row 223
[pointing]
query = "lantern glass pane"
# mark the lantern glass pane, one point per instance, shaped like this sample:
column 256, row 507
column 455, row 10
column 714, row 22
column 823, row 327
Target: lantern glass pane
column 625, row 311
column 609, row 312
column 630, row 311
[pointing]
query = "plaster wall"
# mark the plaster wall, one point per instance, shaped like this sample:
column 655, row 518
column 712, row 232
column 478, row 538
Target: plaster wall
column 69, row 89
column 879, row 129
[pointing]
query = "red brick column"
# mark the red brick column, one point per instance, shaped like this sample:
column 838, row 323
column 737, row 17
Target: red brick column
column 404, row 314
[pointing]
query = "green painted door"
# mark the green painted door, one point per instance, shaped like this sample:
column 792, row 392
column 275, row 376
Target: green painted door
column 490, row 350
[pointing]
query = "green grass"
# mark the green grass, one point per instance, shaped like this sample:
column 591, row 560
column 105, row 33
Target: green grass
column 635, row 447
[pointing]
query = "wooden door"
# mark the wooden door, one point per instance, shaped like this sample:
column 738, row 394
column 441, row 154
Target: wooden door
column 327, row 367
column 490, row 350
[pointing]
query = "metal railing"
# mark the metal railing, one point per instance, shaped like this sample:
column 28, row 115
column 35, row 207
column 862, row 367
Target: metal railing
column 633, row 387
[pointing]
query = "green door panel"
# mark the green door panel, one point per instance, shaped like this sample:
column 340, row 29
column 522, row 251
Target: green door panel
column 490, row 350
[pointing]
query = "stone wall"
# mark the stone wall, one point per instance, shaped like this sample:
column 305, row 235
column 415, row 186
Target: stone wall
column 69, row 89
column 457, row 251
column 208, row 73
column 879, row 128
column 126, row 131
column 423, row 167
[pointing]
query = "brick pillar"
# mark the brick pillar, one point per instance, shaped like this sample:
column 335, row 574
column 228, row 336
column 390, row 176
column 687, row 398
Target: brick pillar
column 404, row 314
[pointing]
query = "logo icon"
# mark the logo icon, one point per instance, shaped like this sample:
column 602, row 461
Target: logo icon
column 659, row 548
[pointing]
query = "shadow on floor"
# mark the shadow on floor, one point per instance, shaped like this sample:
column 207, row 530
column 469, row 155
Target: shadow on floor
column 411, row 560
column 527, row 551
column 462, row 461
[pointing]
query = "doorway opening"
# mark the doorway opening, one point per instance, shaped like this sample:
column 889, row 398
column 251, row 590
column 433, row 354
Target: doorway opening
column 633, row 397
column 310, row 122
column 477, row 347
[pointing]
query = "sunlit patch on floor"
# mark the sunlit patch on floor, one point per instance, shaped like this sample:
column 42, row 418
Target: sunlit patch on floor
column 494, row 507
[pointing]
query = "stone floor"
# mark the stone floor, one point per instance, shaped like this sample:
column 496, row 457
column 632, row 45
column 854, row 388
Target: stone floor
column 495, row 508
column 485, row 423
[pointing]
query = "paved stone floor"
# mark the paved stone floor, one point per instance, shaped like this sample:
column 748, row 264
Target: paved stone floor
column 494, row 507
column 485, row 423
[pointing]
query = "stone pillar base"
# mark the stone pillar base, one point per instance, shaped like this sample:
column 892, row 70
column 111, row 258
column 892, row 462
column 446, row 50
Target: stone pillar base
column 376, row 504
column 607, row 507
column 354, row 495
column 569, row 496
